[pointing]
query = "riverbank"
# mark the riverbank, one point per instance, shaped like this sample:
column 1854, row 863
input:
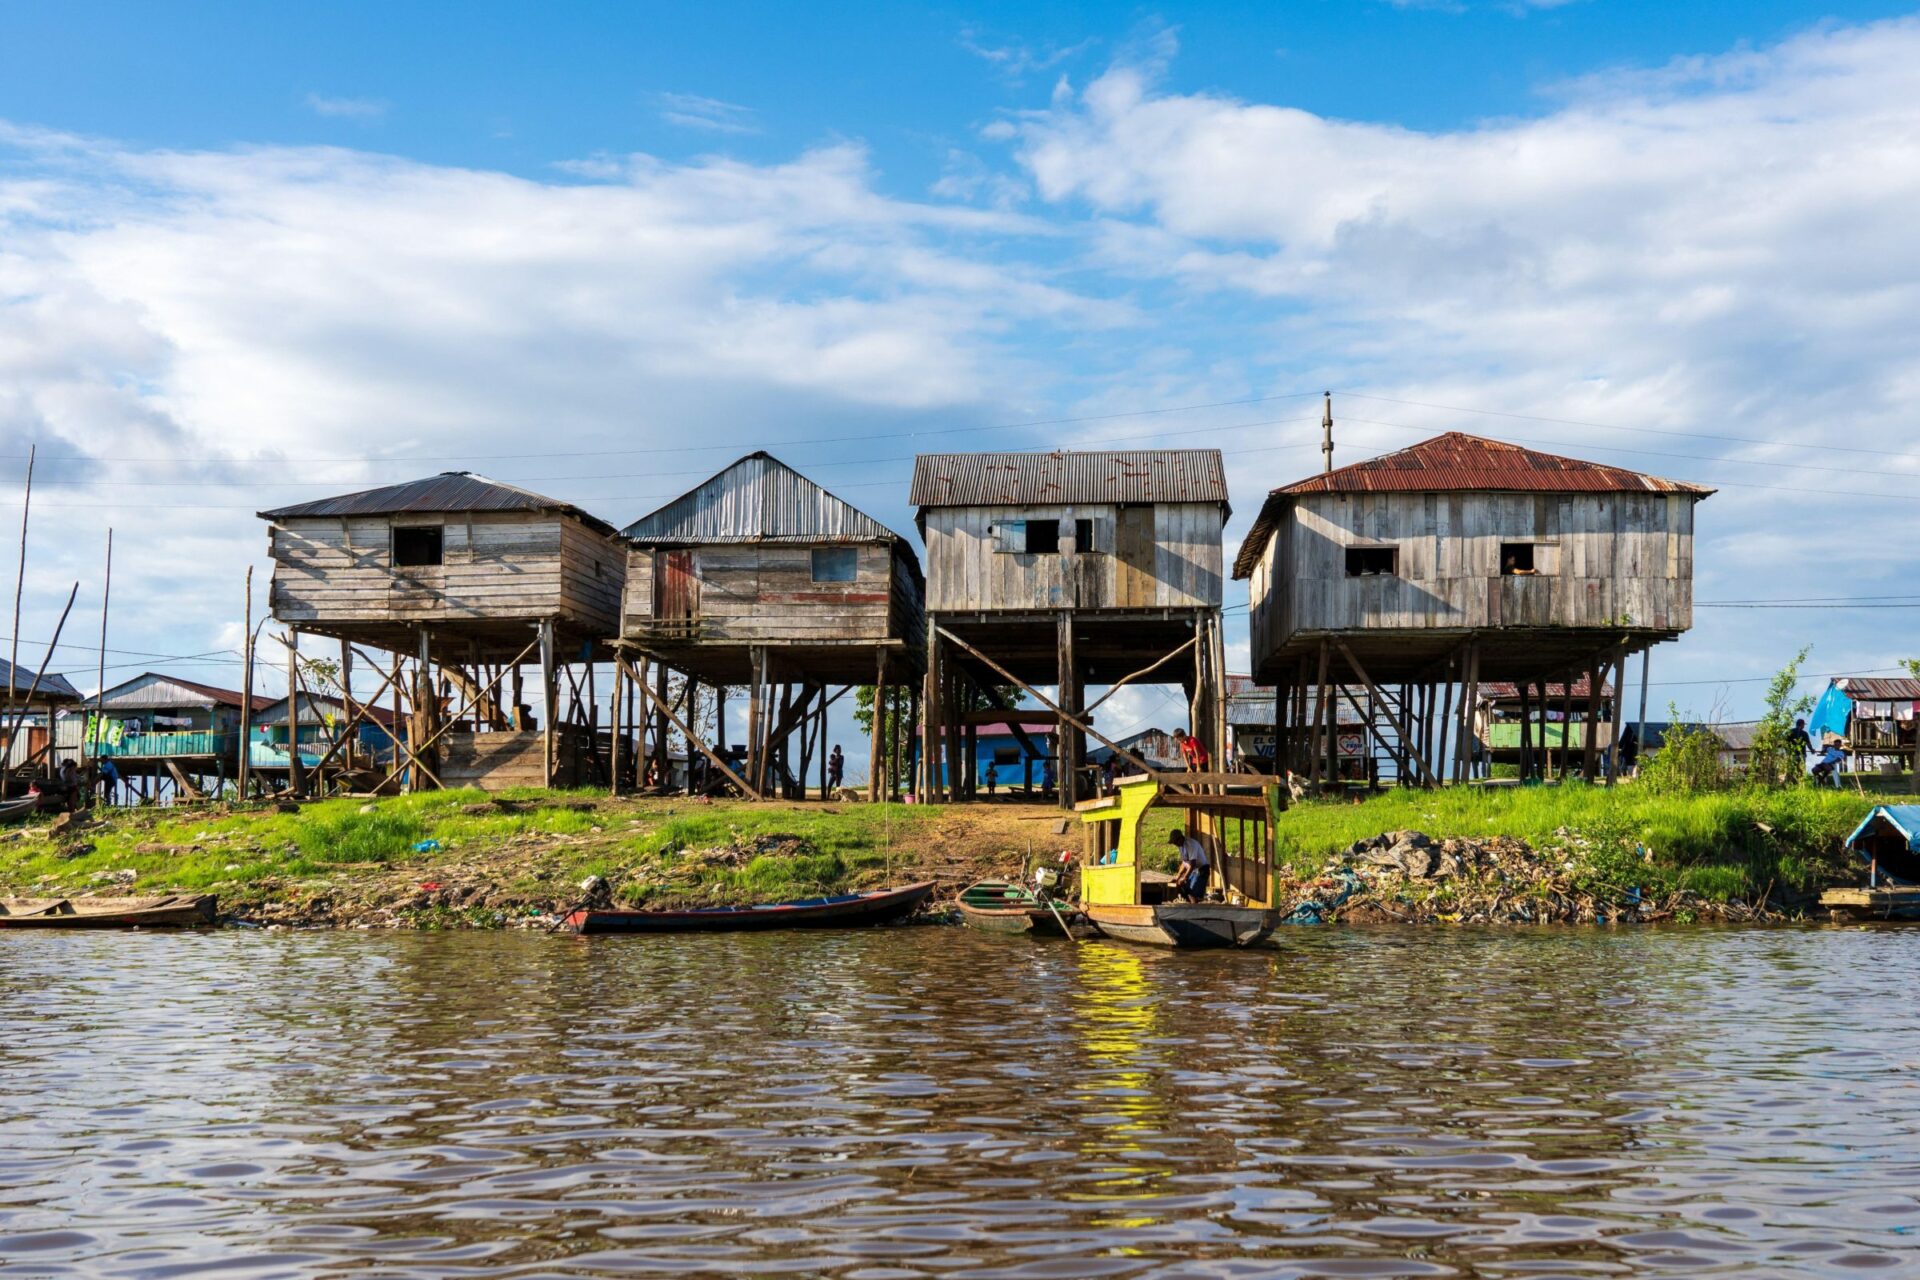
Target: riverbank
column 461, row 859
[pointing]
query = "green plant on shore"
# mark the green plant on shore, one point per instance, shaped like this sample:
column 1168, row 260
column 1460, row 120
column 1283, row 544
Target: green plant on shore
column 1687, row 763
column 1774, row 761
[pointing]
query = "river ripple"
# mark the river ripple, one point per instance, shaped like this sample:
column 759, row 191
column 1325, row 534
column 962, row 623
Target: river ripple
column 930, row 1102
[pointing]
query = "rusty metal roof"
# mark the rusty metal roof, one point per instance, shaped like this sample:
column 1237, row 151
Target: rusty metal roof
column 450, row 491
column 1879, row 689
column 1508, row 691
column 1456, row 462
column 1022, row 479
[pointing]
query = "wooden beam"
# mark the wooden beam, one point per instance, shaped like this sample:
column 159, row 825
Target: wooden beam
column 1373, row 689
column 1047, row 702
column 1117, row 685
column 693, row 740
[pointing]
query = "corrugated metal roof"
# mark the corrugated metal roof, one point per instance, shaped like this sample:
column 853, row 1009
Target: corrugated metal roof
column 450, row 491
column 53, row 688
column 1877, row 689
column 1455, row 462
column 759, row 499
column 150, row 690
column 1020, row 479
column 315, row 707
column 1508, row 691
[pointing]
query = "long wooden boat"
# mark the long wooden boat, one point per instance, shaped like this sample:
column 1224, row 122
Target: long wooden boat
column 999, row 906
column 174, row 911
column 1186, row 924
column 1231, row 814
column 24, row 807
column 849, row 910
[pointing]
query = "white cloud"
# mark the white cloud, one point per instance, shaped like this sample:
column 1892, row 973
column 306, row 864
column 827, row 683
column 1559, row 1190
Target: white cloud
column 346, row 108
column 691, row 111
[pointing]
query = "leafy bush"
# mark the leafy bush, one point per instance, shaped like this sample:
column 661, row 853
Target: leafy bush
column 1687, row 763
column 1775, row 762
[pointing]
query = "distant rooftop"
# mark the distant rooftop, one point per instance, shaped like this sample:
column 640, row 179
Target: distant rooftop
column 448, row 492
column 1021, row 479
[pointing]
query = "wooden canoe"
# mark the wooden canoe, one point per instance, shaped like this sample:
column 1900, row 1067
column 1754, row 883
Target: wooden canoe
column 1186, row 924
column 850, row 910
column 174, row 911
column 998, row 906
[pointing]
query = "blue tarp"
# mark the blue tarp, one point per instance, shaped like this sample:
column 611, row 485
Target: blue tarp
column 1900, row 819
column 1830, row 714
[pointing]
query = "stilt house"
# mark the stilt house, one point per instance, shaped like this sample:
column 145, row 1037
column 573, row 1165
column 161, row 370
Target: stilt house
column 1070, row 569
column 159, row 728
column 1453, row 563
column 467, row 579
column 760, row 578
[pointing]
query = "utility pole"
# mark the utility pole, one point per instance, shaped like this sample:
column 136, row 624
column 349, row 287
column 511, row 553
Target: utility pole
column 1326, row 433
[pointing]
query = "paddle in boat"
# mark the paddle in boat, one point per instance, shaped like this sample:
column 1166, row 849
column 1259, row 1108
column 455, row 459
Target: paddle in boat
column 174, row 911
column 1002, row 906
column 1232, row 815
column 847, row 911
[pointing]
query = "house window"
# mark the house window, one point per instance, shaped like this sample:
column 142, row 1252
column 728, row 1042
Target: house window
column 1516, row 560
column 1083, row 536
column 1372, row 562
column 1043, row 538
column 835, row 564
column 417, row 545
column 1006, row 755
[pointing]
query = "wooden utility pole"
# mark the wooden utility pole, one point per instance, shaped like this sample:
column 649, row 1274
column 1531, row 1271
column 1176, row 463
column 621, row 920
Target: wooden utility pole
column 19, row 586
column 294, row 780
column 99, row 701
column 1326, row 433
column 246, row 678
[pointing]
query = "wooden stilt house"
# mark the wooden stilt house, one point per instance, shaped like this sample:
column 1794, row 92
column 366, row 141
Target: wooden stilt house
column 462, row 581
column 1068, row 570
column 760, row 579
column 1455, row 563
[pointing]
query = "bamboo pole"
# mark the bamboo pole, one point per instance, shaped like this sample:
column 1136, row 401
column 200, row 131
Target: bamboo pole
column 19, row 587
column 100, row 687
column 13, row 726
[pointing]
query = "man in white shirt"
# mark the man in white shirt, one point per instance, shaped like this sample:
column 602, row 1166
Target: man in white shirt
column 1190, row 881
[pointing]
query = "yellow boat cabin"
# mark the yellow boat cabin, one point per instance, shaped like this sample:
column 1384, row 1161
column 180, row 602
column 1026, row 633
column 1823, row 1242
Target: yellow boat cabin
column 1230, row 816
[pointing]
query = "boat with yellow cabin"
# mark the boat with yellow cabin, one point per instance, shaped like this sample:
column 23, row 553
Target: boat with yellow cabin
column 1232, row 815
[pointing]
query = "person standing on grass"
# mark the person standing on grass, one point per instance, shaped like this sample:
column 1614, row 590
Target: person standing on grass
column 1192, row 751
column 836, row 765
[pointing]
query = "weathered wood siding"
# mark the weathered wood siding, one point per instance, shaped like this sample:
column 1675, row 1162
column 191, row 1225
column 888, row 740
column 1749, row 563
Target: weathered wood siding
column 1166, row 555
column 494, row 566
column 759, row 593
column 1603, row 561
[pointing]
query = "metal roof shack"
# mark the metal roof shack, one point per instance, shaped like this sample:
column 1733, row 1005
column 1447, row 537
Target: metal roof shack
column 53, row 688
column 1879, row 689
column 448, row 492
column 760, row 499
column 1457, row 462
column 152, row 691
column 1508, row 691
column 1065, row 478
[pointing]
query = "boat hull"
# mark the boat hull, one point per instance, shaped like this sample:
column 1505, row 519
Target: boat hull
column 179, row 911
column 1186, row 924
column 998, row 907
column 847, row 911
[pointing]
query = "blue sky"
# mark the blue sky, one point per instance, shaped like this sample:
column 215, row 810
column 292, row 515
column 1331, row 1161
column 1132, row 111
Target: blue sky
column 255, row 253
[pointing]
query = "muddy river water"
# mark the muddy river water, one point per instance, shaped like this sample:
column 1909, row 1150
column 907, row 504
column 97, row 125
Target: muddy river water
column 931, row 1102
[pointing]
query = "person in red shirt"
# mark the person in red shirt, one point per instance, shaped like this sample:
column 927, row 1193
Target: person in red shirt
column 1192, row 750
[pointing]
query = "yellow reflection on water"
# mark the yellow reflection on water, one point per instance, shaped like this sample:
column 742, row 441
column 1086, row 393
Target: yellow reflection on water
column 1117, row 1018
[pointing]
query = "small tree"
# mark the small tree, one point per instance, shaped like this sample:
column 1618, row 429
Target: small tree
column 1688, row 761
column 1777, row 762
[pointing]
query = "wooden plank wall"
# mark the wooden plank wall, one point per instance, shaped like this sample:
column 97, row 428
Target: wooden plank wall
column 1604, row 561
column 494, row 565
column 765, row 593
column 967, row 572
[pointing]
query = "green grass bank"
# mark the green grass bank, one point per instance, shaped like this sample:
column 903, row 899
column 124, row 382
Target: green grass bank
column 464, row 859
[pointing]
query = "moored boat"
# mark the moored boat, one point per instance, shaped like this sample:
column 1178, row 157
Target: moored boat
column 173, row 911
column 848, row 910
column 1232, row 815
column 999, row 906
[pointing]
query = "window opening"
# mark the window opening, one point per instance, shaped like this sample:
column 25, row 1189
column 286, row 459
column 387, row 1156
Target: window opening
column 1370, row 562
column 1083, row 536
column 835, row 564
column 1043, row 537
column 417, row 545
column 1516, row 560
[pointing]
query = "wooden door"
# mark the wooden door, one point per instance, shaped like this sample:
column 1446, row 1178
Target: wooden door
column 676, row 591
column 1133, row 558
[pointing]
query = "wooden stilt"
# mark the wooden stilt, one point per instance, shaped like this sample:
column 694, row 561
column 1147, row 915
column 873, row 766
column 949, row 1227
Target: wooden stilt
column 295, row 779
column 550, row 689
column 1619, row 711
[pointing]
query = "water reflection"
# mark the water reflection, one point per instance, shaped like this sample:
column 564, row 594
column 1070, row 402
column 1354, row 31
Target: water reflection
column 925, row 1102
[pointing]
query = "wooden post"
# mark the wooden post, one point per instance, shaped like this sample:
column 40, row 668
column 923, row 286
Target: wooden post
column 930, row 778
column 1449, row 760
column 1590, row 745
column 294, row 779
column 1526, row 730
column 613, row 713
column 693, row 723
column 1470, row 709
column 19, row 586
column 1320, row 691
column 1330, row 712
column 1566, row 724
column 756, row 770
column 876, row 768
column 825, row 746
column 1619, row 710
column 1640, row 726
column 1066, row 765
column 663, row 764
column 550, row 691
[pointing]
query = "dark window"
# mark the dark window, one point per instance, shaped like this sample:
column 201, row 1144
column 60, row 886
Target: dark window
column 1083, row 535
column 1043, row 537
column 1006, row 755
column 1369, row 562
column 416, row 545
column 835, row 564
column 1516, row 559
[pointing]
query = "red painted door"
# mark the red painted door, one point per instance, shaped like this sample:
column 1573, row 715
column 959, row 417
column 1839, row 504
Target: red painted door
column 676, row 592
